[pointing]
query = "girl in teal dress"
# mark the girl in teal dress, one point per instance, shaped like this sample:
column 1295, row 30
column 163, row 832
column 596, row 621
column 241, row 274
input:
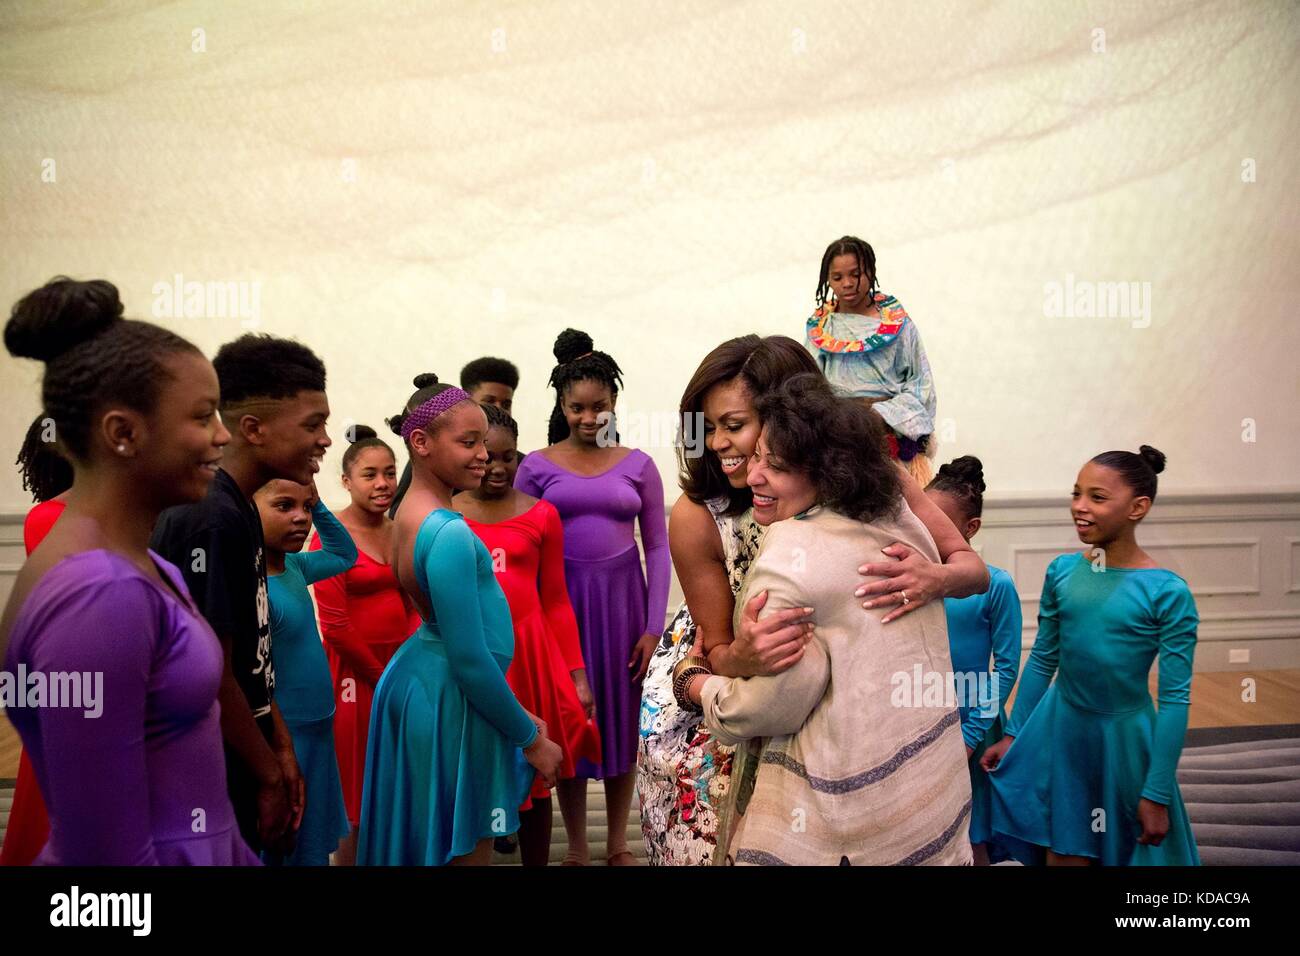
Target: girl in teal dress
column 304, row 688
column 979, row 627
column 1086, row 771
column 451, row 753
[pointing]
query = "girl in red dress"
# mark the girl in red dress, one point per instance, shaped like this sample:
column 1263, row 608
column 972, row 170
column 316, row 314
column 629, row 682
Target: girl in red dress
column 548, row 674
column 364, row 615
column 48, row 476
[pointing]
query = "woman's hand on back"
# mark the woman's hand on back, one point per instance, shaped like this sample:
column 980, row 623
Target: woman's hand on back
column 774, row 644
column 910, row 575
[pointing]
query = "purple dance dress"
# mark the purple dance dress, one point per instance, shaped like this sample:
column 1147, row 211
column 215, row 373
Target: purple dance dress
column 614, row 600
column 131, row 767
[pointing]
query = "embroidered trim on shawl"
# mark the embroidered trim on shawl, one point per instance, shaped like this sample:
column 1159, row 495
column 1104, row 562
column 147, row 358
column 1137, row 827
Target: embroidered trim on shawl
column 866, row 777
column 892, row 317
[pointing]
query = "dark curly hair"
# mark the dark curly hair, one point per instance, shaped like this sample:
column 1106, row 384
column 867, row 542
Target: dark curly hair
column 426, row 386
column 852, row 246
column 362, row 437
column 839, row 443
column 488, row 369
column 499, row 418
column 963, row 478
column 265, row 367
column 45, row 473
column 578, row 362
column 94, row 358
column 762, row 364
column 1137, row 471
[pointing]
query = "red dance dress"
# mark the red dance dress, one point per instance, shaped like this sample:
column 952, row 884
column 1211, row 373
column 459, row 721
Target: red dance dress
column 29, row 824
column 364, row 618
column 528, row 557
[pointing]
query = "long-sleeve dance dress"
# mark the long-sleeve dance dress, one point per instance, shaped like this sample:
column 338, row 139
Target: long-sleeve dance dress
column 29, row 826
column 614, row 600
column 979, row 627
column 528, row 556
column 135, row 774
column 444, row 767
column 1091, row 745
column 364, row 618
column 304, row 688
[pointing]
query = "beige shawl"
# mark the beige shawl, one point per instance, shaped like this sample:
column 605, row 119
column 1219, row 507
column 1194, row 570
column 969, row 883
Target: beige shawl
column 854, row 769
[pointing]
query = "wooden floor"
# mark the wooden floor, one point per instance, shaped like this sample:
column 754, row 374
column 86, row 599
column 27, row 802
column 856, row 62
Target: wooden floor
column 1216, row 702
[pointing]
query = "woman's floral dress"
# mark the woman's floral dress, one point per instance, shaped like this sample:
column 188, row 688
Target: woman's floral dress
column 682, row 774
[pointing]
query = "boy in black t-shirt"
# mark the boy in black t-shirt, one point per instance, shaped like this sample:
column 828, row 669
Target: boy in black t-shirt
column 273, row 402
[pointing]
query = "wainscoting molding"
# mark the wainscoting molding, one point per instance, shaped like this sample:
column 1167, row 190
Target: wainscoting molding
column 1239, row 551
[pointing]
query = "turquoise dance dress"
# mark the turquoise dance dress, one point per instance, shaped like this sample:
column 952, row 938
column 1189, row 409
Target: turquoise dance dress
column 979, row 627
column 1091, row 745
column 305, row 690
column 444, row 765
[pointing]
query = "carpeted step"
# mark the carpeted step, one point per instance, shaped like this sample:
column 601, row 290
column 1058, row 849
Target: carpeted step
column 1228, row 776
column 1247, row 856
column 1287, row 791
column 1244, row 814
column 1285, row 838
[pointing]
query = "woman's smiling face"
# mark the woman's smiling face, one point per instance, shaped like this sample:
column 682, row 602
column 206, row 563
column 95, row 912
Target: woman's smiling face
column 731, row 428
column 780, row 491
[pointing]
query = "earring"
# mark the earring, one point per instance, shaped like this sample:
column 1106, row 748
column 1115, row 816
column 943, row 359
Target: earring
column 121, row 449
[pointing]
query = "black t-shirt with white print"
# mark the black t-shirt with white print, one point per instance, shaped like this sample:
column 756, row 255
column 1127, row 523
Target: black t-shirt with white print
column 217, row 543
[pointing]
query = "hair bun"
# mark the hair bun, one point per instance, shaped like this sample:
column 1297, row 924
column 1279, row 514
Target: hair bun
column 59, row 315
column 571, row 344
column 361, row 433
column 968, row 470
column 1153, row 457
column 424, row 380
column 395, row 423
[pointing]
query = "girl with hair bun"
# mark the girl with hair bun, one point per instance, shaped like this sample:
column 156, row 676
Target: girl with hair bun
column 601, row 491
column 135, row 411
column 365, row 616
column 444, row 768
column 1086, row 771
column 979, row 627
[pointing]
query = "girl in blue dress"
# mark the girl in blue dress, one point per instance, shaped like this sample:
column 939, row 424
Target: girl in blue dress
column 451, row 753
column 979, row 627
column 1086, row 771
column 304, row 687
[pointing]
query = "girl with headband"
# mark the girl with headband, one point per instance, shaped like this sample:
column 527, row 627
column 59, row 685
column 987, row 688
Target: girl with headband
column 451, row 754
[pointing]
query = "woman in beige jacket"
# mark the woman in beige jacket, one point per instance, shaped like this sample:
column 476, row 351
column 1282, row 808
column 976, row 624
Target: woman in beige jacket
column 853, row 767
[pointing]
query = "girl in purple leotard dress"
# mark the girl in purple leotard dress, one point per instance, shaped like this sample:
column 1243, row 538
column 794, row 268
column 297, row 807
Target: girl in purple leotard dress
column 128, row 752
column 602, row 490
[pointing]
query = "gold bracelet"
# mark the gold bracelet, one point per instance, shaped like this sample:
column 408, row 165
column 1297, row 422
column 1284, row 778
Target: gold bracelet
column 692, row 661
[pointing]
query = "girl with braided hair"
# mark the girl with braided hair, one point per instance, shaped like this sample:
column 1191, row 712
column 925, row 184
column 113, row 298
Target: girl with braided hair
column 602, row 490
column 48, row 476
column 868, row 347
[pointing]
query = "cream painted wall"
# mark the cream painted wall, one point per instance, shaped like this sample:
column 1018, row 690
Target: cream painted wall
column 414, row 185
